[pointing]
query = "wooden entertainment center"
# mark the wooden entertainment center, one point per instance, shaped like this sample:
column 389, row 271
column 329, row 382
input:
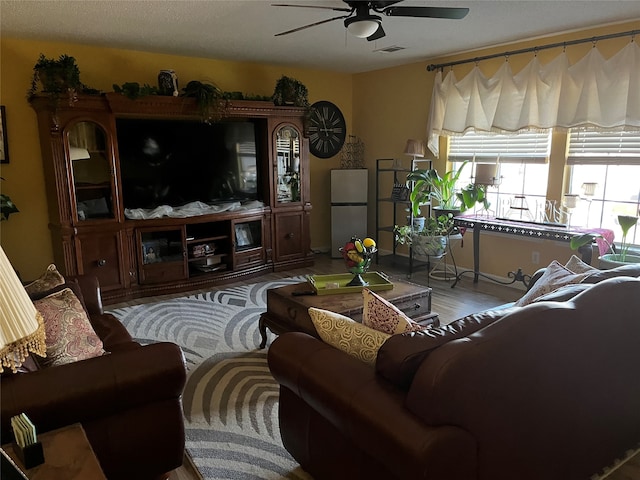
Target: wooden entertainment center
column 138, row 257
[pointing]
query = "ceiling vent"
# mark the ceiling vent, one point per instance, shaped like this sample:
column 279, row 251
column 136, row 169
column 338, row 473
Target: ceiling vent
column 391, row 49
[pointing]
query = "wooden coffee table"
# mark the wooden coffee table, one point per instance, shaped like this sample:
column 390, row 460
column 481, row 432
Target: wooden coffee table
column 288, row 312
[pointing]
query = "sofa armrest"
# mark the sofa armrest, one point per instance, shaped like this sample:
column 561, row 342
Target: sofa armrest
column 112, row 332
column 94, row 388
column 535, row 277
column 368, row 410
column 92, row 297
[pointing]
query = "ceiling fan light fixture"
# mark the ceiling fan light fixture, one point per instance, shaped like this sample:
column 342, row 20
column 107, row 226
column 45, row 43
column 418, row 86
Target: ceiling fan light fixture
column 362, row 26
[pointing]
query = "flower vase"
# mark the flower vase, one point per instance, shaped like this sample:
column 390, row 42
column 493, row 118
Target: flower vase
column 357, row 281
column 357, row 257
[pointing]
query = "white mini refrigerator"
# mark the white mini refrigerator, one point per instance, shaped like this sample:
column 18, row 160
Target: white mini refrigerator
column 348, row 206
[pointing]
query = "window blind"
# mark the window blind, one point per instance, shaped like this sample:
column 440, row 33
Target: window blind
column 527, row 147
column 604, row 148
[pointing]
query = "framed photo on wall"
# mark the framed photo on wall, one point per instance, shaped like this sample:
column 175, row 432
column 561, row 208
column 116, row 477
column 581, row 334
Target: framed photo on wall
column 4, row 147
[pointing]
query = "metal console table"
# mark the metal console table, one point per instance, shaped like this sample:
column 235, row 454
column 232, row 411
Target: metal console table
column 544, row 231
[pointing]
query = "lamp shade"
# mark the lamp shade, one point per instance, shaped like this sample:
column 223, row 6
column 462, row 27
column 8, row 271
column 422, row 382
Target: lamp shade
column 414, row 148
column 362, row 26
column 21, row 325
column 589, row 188
column 77, row 153
column 486, row 174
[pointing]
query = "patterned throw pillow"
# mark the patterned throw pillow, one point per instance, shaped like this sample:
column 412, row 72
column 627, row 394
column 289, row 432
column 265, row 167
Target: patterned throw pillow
column 382, row 315
column 555, row 276
column 49, row 279
column 576, row 265
column 348, row 335
column 69, row 335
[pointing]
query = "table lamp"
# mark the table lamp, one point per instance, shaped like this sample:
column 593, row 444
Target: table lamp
column 21, row 325
column 414, row 148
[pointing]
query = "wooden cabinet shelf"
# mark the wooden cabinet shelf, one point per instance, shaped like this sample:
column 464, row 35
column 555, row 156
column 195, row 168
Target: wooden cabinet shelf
column 207, row 239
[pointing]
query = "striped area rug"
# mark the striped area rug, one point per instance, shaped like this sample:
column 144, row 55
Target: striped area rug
column 231, row 399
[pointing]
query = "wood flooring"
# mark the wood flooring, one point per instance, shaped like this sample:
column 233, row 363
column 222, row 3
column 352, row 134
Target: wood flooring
column 450, row 303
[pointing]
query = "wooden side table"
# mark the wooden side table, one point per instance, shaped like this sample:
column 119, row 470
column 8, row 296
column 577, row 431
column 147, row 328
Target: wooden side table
column 67, row 456
column 287, row 312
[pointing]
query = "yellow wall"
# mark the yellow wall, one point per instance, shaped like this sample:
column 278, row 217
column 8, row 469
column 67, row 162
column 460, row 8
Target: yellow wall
column 383, row 108
column 25, row 237
column 392, row 105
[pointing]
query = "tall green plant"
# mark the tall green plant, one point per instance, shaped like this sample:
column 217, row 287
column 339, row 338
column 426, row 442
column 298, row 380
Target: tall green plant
column 429, row 185
column 626, row 223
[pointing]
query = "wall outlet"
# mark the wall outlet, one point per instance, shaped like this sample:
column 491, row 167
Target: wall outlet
column 535, row 258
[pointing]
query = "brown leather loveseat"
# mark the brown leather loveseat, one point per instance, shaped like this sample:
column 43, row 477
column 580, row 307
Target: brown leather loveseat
column 128, row 400
column 548, row 391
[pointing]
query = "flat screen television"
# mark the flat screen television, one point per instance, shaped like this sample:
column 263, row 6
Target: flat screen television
column 174, row 162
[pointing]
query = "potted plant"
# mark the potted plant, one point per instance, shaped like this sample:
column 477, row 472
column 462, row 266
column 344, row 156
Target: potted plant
column 7, row 207
column 428, row 185
column 208, row 97
column 289, row 91
column 133, row 90
column 57, row 77
column 611, row 260
column 431, row 240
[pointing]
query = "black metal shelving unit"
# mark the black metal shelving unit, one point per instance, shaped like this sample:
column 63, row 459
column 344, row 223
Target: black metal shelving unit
column 396, row 171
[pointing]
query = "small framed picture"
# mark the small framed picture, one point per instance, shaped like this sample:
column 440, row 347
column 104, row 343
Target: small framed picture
column 151, row 252
column 243, row 235
column 400, row 193
column 4, row 146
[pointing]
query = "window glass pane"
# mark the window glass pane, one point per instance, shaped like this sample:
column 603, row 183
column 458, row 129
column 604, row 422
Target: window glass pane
column 523, row 170
column 521, row 194
column 617, row 192
column 605, row 171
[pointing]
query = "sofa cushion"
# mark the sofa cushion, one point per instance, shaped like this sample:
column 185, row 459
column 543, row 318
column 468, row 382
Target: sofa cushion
column 69, row 336
column 562, row 294
column 49, row 279
column 380, row 314
column 351, row 337
column 576, row 265
column 629, row 270
column 401, row 355
column 555, row 276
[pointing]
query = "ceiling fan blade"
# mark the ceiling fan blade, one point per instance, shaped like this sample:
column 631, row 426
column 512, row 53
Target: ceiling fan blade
column 311, row 6
column 429, row 12
column 310, row 25
column 379, row 33
column 380, row 4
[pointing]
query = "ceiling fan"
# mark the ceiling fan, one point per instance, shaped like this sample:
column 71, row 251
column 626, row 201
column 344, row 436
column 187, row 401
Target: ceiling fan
column 361, row 23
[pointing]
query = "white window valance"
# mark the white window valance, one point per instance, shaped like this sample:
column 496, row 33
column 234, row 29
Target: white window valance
column 594, row 93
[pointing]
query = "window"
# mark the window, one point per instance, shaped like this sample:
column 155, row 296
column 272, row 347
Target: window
column 522, row 170
column 605, row 172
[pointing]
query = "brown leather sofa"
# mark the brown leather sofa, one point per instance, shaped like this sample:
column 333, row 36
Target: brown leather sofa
column 128, row 400
column 548, row 391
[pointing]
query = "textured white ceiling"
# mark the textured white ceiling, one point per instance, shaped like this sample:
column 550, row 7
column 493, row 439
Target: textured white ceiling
column 244, row 29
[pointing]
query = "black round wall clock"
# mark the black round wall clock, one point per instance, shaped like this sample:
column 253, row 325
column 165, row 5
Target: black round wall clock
column 327, row 129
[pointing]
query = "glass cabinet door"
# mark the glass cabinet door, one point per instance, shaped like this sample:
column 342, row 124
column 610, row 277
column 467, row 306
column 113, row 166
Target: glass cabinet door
column 92, row 173
column 288, row 165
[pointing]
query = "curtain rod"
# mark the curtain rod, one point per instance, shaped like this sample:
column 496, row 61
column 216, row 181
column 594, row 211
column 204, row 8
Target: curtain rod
column 631, row 33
